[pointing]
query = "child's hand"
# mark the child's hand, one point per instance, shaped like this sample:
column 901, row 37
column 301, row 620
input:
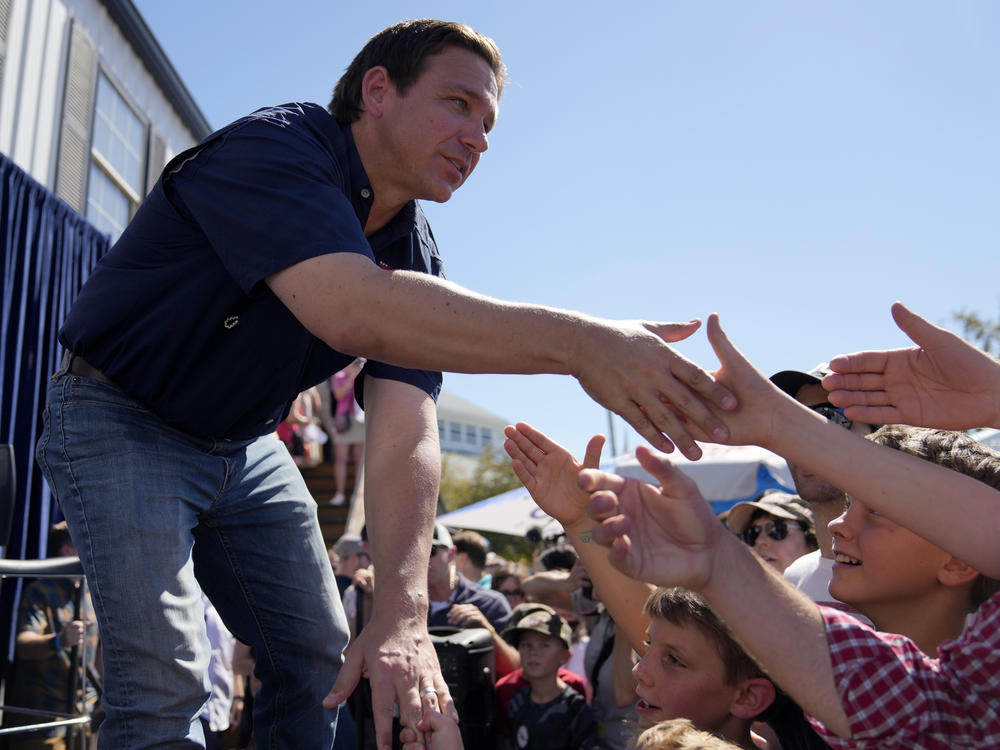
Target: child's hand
column 549, row 471
column 943, row 382
column 436, row 732
column 758, row 418
column 666, row 536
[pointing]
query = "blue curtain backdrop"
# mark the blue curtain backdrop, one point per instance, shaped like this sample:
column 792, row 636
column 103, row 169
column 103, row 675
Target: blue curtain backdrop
column 48, row 252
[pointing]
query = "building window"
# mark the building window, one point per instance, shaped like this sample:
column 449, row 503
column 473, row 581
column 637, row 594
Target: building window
column 485, row 436
column 470, row 434
column 441, row 430
column 455, row 432
column 117, row 161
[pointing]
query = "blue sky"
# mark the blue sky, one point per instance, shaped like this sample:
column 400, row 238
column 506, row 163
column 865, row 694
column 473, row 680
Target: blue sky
column 792, row 166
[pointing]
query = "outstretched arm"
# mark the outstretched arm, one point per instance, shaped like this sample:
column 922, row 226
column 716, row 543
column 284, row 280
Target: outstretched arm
column 402, row 469
column 549, row 472
column 951, row 510
column 416, row 320
column 669, row 536
column 943, row 381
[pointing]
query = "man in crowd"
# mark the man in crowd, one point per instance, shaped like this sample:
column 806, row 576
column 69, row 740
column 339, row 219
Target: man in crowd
column 454, row 599
column 470, row 557
column 811, row 573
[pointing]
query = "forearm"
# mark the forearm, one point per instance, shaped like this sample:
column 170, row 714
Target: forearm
column 624, row 597
column 416, row 320
column 909, row 490
column 622, row 681
column 507, row 657
column 402, row 470
column 765, row 614
column 546, row 582
column 35, row 646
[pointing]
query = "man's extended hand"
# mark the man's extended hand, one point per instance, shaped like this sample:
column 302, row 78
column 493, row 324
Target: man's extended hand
column 665, row 535
column 399, row 659
column 549, row 472
column 627, row 367
column 943, row 382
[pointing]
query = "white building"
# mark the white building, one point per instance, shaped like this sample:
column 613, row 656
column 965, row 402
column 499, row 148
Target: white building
column 465, row 429
column 90, row 106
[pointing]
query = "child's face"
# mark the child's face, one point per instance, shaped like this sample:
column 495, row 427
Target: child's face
column 681, row 676
column 878, row 562
column 541, row 655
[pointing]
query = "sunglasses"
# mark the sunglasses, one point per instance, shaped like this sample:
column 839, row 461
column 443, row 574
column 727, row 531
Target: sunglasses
column 776, row 528
column 512, row 592
column 437, row 548
column 833, row 413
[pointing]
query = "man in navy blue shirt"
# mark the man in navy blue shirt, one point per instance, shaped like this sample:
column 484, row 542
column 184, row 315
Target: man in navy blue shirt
column 265, row 259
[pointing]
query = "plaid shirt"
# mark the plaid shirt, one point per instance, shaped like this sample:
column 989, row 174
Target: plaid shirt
column 895, row 696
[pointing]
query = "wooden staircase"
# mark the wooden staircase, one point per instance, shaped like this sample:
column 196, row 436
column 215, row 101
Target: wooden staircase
column 319, row 480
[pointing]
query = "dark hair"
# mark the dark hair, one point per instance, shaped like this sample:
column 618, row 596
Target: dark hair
column 514, row 570
column 58, row 537
column 403, row 50
column 682, row 607
column 558, row 558
column 473, row 545
column 958, row 452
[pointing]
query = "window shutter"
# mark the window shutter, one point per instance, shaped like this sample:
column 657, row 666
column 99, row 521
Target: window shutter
column 4, row 20
column 78, row 107
column 157, row 157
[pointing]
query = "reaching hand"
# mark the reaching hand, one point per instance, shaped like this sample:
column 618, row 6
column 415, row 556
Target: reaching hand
column 943, row 382
column 549, row 471
column 467, row 616
column 665, row 536
column 399, row 659
column 440, row 733
column 628, row 368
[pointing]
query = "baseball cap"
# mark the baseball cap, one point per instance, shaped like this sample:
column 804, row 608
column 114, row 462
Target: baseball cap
column 778, row 504
column 539, row 618
column 791, row 380
column 442, row 537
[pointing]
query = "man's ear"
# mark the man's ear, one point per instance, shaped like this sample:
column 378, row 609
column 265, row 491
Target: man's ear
column 374, row 87
column 956, row 573
column 753, row 696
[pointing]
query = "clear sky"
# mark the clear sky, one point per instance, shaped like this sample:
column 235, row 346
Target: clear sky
column 792, row 166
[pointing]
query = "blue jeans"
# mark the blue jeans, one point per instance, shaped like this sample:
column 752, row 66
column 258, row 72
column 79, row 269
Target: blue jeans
column 157, row 516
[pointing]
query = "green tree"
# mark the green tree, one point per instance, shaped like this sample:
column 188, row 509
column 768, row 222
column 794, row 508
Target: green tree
column 491, row 475
column 982, row 332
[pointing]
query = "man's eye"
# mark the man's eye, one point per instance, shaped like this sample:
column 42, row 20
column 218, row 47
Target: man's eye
column 675, row 661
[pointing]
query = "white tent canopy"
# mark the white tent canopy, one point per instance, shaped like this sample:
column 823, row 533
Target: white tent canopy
column 725, row 475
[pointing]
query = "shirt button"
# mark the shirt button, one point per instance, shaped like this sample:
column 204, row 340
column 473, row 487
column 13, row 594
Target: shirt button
column 366, row 193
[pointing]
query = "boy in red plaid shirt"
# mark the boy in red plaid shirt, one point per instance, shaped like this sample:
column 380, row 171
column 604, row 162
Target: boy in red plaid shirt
column 862, row 688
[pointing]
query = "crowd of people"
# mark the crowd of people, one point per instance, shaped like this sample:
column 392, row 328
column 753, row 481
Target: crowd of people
column 290, row 245
column 894, row 643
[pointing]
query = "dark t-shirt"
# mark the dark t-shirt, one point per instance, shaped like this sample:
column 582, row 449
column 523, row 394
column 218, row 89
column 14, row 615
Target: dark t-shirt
column 491, row 603
column 178, row 313
column 564, row 723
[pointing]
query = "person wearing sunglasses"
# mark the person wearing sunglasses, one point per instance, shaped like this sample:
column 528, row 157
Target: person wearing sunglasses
column 777, row 525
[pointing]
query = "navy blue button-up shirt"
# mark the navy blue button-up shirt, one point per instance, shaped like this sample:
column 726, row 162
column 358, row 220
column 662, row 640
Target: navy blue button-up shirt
column 178, row 314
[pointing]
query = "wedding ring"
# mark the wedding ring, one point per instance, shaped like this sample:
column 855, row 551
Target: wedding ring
column 428, row 691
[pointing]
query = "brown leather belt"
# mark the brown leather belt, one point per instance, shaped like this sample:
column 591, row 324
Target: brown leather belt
column 79, row 366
